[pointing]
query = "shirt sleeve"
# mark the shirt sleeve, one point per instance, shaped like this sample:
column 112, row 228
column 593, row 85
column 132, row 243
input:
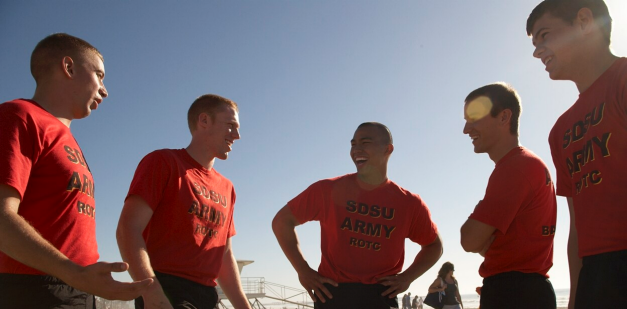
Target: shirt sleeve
column 150, row 179
column 507, row 190
column 18, row 148
column 309, row 204
column 423, row 230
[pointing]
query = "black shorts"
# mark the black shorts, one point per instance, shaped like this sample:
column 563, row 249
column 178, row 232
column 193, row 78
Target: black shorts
column 516, row 290
column 357, row 295
column 603, row 281
column 35, row 291
column 184, row 294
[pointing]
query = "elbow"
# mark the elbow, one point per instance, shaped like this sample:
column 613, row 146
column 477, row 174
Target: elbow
column 120, row 235
column 283, row 221
column 439, row 247
column 470, row 245
column 467, row 246
column 276, row 224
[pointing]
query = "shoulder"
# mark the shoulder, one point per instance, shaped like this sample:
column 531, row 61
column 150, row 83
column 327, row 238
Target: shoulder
column 404, row 194
column 160, row 154
column 523, row 161
column 621, row 64
column 20, row 107
column 524, row 164
column 344, row 180
column 160, row 159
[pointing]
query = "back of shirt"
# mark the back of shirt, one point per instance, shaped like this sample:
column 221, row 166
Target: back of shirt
column 520, row 203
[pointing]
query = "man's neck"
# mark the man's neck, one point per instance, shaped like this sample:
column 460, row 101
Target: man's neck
column 369, row 181
column 51, row 106
column 503, row 149
column 200, row 155
column 592, row 69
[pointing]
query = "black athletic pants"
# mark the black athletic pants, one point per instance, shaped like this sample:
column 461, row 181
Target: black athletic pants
column 516, row 290
column 357, row 295
column 35, row 291
column 184, row 294
column 603, row 281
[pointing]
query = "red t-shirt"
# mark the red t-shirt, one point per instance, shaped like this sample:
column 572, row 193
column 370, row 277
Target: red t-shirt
column 363, row 232
column 192, row 214
column 520, row 203
column 589, row 148
column 40, row 158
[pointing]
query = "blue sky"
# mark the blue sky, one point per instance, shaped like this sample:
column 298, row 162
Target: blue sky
column 305, row 74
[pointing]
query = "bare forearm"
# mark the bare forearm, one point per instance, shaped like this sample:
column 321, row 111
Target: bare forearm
column 425, row 259
column 133, row 251
column 230, row 282
column 285, row 232
column 135, row 216
column 20, row 241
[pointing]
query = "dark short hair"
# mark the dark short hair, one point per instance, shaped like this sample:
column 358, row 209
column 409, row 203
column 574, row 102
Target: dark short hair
column 567, row 10
column 387, row 135
column 209, row 104
column 503, row 96
column 53, row 48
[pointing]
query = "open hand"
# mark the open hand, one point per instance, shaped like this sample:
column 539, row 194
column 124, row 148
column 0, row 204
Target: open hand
column 313, row 282
column 96, row 279
column 396, row 284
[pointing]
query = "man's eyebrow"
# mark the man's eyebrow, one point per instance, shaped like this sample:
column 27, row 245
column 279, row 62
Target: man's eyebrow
column 538, row 32
column 362, row 139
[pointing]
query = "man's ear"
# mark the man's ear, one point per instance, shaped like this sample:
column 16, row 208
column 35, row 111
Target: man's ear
column 585, row 20
column 204, row 121
column 390, row 149
column 68, row 66
column 505, row 117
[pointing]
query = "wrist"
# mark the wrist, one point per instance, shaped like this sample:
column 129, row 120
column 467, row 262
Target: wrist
column 302, row 267
column 69, row 272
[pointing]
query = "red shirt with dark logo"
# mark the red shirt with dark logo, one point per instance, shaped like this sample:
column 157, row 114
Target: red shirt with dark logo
column 589, row 149
column 363, row 232
column 192, row 214
column 40, row 158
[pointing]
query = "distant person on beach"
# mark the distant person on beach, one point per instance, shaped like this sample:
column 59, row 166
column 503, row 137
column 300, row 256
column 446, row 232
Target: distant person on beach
column 407, row 301
column 404, row 301
column 416, row 302
column 589, row 145
column 48, row 251
column 446, row 282
column 177, row 221
column 364, row 219
column 513, row 226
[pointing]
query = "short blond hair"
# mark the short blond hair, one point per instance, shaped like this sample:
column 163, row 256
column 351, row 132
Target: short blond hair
column 209, row 104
